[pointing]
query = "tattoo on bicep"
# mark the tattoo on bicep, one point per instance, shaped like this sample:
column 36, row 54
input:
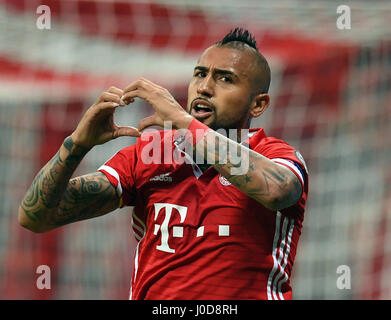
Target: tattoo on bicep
column 257, row 188
column 259, row 181
column 277, row 177
column 298, row 189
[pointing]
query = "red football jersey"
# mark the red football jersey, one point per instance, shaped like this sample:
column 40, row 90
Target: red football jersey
column 200, row 237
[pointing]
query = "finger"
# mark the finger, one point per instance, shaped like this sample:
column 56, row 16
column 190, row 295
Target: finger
column 118, row 92
column 148, row 122
column 106, row 106
column 142, row 85
column 128, row 100
column 129, row 96
column 139, row 83
column 126, row 131
column 109, row 97
column 147, row 82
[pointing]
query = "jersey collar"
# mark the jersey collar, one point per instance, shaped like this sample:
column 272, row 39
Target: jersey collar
column 254, row 135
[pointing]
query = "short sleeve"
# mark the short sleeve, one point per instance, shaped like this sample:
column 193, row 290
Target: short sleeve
column 282, row 153
column 120, row 170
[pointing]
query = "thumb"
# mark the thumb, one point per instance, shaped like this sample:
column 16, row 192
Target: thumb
column 147, row 122
column 126, row 131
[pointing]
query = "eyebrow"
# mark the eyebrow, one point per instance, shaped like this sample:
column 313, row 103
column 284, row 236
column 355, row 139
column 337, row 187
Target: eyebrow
column 218, row 71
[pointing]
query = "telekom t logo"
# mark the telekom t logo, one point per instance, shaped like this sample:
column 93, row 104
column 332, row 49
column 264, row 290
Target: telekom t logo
column 177, row 231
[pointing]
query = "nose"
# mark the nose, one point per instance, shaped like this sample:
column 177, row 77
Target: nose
column 205, row 87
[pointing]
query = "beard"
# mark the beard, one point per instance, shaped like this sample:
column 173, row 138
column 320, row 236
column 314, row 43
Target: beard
column 226, row 124
column 220, row 122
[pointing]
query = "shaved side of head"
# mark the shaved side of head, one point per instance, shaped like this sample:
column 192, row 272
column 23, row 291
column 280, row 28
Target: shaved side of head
column 240, row 39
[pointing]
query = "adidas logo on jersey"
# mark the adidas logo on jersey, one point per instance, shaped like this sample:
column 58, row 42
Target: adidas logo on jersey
column 163, row 177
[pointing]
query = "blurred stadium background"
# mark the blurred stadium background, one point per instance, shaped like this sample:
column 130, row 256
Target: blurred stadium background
column 331, row 99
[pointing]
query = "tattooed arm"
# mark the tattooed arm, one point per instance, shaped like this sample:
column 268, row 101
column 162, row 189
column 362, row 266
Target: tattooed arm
column 53, row 200
column 271, row 184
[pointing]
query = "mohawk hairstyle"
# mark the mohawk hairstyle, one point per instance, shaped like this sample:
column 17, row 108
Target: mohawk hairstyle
column 240, row 35
column 239, row 39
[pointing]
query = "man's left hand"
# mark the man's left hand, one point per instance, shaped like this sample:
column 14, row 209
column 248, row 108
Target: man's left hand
column 165, row 106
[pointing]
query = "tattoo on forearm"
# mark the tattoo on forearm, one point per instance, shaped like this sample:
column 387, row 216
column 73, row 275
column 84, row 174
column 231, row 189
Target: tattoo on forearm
column 48, row 186
column 260, row 180
column 68, row 143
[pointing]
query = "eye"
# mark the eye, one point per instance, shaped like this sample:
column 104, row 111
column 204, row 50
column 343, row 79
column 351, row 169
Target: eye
column 200, row 74
column 226, row 79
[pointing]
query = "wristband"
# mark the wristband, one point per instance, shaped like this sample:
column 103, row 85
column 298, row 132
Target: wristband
column 196, row 132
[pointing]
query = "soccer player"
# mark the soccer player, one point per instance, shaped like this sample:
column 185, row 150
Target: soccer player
column 221, row 229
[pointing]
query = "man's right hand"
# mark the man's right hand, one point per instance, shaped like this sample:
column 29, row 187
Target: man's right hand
column 97, row 125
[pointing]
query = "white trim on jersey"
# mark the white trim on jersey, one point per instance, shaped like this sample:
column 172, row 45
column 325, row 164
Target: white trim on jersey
column 135, row 269
column 273, row 285
column 280, row 256
column 289, row 164
column 136, row 255
column 278, row 282
column 275, row 240
column 137, row 227
column 115, row 174
column 136, row 235
column 250, row 134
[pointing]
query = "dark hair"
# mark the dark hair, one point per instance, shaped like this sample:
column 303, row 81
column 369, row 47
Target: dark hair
column 240, row 39
column 240, row 35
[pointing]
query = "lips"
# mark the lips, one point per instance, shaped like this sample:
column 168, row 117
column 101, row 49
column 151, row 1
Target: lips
column 201, row 109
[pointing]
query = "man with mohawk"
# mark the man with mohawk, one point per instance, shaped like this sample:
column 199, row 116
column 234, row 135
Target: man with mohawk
column 222, row 229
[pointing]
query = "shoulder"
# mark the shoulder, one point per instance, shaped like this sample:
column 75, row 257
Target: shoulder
column 275, row 148
column 258, row 141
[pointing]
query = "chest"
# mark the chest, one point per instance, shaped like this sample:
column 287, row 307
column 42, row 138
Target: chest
column 180, row 204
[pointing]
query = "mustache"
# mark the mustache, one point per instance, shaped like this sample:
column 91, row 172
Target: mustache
column 202, row 99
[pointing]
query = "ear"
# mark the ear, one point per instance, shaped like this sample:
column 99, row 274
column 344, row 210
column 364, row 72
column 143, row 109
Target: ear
column 259, row 105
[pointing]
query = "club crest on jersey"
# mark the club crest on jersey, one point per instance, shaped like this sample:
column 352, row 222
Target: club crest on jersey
column 300, row 157
column 224, row 181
